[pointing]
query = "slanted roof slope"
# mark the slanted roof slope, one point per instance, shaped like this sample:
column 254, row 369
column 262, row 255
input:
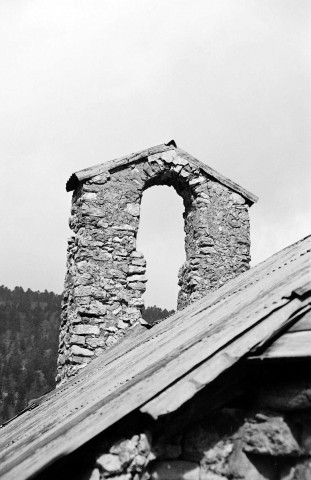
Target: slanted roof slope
column 169, row 363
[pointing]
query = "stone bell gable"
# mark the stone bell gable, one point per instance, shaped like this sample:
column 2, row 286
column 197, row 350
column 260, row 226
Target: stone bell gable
column 106, row 278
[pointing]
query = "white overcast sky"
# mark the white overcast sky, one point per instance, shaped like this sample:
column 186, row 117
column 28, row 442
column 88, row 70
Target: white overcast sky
column 85, row 81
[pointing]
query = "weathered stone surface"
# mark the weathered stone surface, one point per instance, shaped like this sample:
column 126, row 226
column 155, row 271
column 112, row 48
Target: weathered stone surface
column 271, row 436
column 84, row 329
column 122, row 324
column 303, row 471
column 229, row 444
column 135, row 269
column 137, row 278
column 125, row 476
column 79, row 360
column 78, row 339
column 133, row 209
column 175, row 470
column 137, row 286
column 109, row 463
column 126, row 445
column 241, row 467
column 287, row 471
column 211, row 476
column 93, row 342
column 144, row 444
column 95, row 475
column 111, row 341
column 305, row 428
column 83, row 352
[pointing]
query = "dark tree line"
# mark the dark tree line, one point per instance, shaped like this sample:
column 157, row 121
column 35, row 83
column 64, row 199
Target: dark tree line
column 29, row 326
column 153, row 314
column 29, row 329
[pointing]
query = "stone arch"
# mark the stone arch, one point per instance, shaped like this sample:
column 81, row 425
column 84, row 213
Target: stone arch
column 105, row 273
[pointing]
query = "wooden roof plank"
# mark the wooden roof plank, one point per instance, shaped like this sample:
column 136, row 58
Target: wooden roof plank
column 303, row 324
column 290, row 345
column 184, row 389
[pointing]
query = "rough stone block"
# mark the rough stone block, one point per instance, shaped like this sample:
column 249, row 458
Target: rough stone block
column 82, row 291
column 177, row 168
column 136, row 269
column 180, row 161
column 126, row 445
column 103, row 224
column 237, row 198
column 196, row 180
column 84, row 329
column 92, row 342
column 122, row 325
column 92, row 211
column 136, row 254
column 109, row 463
column 133, row 209
column 168, row 156
column 80, row 360
column 137, row 278
column 82, row 352
column 241, row 467
column 95, row 308
column 207, row 250
column 175, row 470
column 137, row 286
column 111, row 341
column 144, row 444
column 95, row 475
column 270, row 437
column 78, row 339
column 303, row 471
column 139, row 262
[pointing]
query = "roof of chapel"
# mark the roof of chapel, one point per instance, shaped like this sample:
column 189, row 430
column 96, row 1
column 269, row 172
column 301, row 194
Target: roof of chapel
column 156, row 371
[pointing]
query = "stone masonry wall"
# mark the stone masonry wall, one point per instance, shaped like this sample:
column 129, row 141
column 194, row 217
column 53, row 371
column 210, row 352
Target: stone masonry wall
column 267, row 437
column 231, row 445
column 106, row 275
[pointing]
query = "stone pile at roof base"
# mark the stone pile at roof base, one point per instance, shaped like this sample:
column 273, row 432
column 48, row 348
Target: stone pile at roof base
column 106, row 274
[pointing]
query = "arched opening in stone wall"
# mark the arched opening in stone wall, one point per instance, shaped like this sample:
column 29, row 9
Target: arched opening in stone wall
column 161, row 239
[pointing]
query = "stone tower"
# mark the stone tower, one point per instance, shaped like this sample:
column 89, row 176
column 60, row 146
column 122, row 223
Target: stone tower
column 106, row 275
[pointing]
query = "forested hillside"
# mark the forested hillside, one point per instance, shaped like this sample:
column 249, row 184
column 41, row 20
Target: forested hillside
column 29, row 324
column 29, row 327
column 153, row 314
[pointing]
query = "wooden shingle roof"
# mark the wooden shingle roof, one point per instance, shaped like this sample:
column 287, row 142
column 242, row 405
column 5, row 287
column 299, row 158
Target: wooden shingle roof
column 158, row 370
column 118, row 163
